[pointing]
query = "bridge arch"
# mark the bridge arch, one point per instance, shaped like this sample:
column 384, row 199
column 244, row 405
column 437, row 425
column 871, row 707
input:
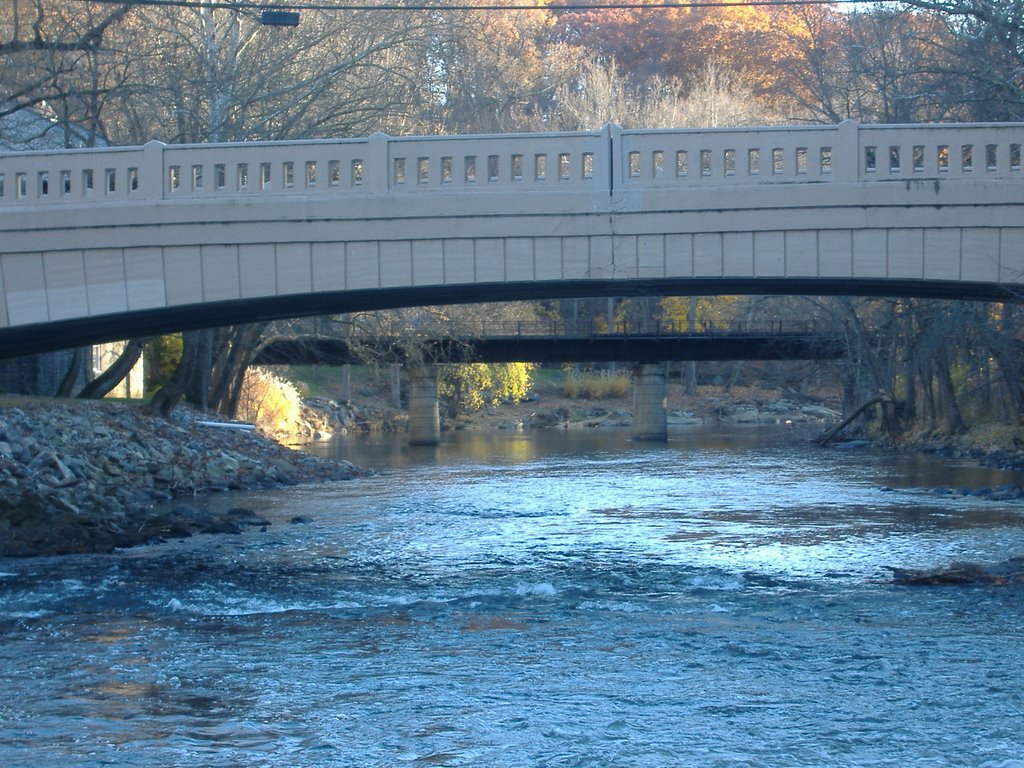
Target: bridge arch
column 64, row 334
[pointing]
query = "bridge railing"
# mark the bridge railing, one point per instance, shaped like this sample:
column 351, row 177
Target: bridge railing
column 261, row 168
column 595, row 329
column 526, row 162
column 845, row 152
column 941, row 151
column 600, row 162
column 70, row 176
column 746, row 156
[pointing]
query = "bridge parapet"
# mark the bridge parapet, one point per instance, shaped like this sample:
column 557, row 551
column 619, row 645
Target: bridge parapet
column 74, row 176
column 378, row 165
column 737, row 156
column 990, row 151
column 593, row 162
column 513, row 162
column 843, row 153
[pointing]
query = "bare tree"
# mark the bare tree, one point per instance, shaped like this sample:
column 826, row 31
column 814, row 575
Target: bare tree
column 51, row 59
column 983, row 53
column 602, row 93
column 922, row 60
column 216, row 74
column 492, row 71
column 103, row 384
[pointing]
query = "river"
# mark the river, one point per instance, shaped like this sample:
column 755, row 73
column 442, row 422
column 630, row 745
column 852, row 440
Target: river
column 539, row 599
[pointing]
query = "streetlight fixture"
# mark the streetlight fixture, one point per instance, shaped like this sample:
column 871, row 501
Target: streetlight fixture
column 279, row 18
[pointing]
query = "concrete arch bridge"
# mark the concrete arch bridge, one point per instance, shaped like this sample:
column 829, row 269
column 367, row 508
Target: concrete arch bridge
column 107, row 243
column 104, row 244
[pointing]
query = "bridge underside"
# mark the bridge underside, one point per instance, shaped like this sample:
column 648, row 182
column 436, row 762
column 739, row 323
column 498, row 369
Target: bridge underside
column 64, row 334
column 567, row 349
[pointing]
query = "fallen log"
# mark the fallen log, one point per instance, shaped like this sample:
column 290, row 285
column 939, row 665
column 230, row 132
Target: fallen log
column 826, row 438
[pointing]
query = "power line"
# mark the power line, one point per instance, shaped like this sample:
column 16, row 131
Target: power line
column 250, row 5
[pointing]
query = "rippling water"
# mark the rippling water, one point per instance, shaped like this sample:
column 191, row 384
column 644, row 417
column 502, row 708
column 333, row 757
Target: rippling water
column 555, row 599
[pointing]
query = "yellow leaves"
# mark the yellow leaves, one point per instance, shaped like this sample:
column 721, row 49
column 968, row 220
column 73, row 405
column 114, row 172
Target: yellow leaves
column 470, row 386
column 269, row 401
column 708, row 311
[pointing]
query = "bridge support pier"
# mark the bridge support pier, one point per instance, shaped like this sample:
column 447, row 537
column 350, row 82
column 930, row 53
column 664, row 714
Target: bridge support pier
column 650, row 419
column 424, row 417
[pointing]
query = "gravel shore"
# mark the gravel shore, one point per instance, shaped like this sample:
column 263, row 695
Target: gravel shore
column 95, row 476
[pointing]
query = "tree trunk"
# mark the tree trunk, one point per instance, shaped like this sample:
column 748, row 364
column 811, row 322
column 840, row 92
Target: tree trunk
column 1000, row 344
column 234, row 394
column 828, row 436
column 395, row 371
column 223, row 364
column 909, row 393
column 71, row 375
column 238, row 351
column 345, row 395
column 928, row 404
column 954, row 420
column 164, row 401
column 115, row 374
column 197, row 387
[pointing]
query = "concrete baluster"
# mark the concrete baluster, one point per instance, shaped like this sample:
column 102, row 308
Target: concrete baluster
column 846, row 155
column 377, row 166
column 152, row 174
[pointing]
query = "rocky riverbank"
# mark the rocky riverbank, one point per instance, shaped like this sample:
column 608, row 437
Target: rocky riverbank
column 95, row 476
column 85, row 476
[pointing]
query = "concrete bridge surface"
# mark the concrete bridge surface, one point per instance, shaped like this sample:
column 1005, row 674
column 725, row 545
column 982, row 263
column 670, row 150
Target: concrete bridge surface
column 109, row 243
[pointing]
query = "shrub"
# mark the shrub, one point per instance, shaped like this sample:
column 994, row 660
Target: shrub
column 597, row 386
column 270, row 402
column 470, row 386
column 162, row 356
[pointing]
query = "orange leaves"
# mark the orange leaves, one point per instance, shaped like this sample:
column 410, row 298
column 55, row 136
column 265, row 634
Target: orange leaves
column 493, row 69
column 756, row 40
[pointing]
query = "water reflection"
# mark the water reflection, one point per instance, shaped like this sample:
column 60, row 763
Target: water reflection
column 771, row 448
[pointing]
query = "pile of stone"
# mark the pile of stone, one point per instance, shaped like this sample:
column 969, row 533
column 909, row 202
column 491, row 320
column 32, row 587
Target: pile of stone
column 331, row 417
column 91, row 476
column 777, row 412
column 1006, row 492
column 1008, row 572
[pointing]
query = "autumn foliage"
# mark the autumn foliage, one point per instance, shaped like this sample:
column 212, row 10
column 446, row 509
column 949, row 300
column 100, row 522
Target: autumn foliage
column 760, row 41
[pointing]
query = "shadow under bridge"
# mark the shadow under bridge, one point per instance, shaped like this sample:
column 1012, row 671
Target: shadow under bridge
column 554, row 343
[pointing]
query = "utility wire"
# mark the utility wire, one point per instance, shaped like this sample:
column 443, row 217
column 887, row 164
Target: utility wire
column 440, row 6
